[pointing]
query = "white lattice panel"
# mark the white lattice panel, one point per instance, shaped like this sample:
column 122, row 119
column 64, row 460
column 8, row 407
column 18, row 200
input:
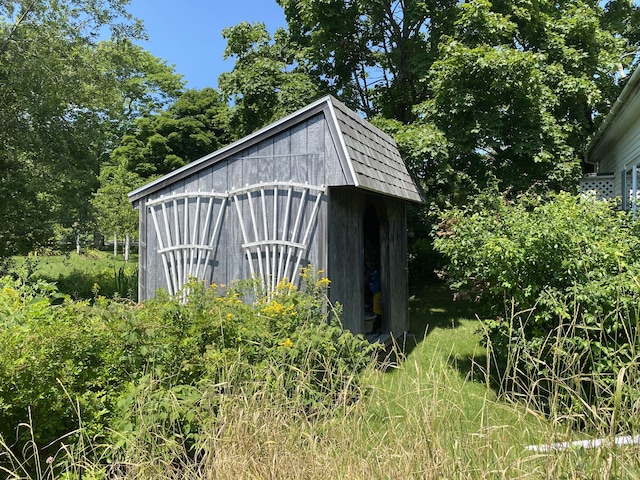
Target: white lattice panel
column 187, row 226
column 276, row 221
column 600, row 186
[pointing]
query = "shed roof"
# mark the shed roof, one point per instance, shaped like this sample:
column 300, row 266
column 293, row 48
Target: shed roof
column 369, row 157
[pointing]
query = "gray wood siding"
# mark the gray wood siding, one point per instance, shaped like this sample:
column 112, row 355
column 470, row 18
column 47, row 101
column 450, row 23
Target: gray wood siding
column 295, row 155
column 367, row 157
column 143, row 259
column 346, row 259
column 397, row 303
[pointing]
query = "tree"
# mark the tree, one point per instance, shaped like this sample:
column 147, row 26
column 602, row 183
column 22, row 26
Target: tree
column 114, row 213
column 270, row 77
column 195, row 125
column 518, row 86
column 65, row 99
column 505, row 89
column 372, row 54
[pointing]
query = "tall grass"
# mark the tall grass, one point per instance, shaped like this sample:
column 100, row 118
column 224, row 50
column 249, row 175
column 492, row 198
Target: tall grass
column 434, row 414
column 556, row 374
column 257, row 435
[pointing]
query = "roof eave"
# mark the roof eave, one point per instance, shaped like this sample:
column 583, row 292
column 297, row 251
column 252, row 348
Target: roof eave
column 610, row 118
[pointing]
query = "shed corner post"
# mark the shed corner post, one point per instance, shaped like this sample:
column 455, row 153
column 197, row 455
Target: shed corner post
column 142, row 250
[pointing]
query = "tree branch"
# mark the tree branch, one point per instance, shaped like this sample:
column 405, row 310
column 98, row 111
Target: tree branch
column 22, row 18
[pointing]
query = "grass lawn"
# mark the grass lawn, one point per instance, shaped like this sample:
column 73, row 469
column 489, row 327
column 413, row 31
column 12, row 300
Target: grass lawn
column 84, row 275
column 440, row 406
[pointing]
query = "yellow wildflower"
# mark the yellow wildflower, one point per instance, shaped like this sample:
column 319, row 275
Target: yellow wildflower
column 12, row 297
column 287, row 343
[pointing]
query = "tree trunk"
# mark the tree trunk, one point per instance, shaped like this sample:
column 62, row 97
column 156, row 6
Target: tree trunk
column 115, row 244
column 78, row 249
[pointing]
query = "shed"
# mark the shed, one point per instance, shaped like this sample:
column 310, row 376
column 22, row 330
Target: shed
column 615, row 149
column 320, row 187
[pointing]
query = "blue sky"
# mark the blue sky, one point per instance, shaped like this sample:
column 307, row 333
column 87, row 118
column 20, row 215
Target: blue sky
column 188, row 33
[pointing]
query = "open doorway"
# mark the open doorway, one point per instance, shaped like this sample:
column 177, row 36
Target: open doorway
column 373, row 311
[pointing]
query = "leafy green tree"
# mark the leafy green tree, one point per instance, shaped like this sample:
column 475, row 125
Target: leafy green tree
column 196, row 124
column 114, row 213
column 65, row 99
column 158, row 143
column 518, row 88
column 496, row 111
column 372, row 53
column 270, row 77
column 481, row 89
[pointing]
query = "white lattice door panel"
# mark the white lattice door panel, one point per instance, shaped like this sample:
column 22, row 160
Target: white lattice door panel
column 187, row 226
column 277, row 221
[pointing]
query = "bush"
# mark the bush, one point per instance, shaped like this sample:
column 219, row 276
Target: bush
column 289, row 342
column 51, row 356
column 65, row 364
column 559, row 283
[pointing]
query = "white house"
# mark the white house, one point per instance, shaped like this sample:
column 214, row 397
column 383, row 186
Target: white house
column 615, row 149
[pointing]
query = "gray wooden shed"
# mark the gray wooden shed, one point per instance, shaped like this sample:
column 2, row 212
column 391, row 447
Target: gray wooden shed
column 320, row 187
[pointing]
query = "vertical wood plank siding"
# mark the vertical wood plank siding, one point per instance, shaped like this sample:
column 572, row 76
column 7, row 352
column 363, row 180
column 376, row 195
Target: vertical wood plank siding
column 346, row 256
column 295, row 155
column 397, row 305
column 143, row 248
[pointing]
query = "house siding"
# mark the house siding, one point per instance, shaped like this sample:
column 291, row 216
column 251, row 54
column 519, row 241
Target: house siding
column 618, row 143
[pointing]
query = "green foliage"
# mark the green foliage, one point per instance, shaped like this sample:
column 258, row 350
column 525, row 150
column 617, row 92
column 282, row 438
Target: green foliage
column 269, row 80
column 65, row 363
column 196, row 124
column 474, row 90
column 126, row 282
column 559, row 280
column 66, row 98
column 372, row 54
column 516, row 90
column 114, row 212
column 81, row 276
column 510, row 131
column 52, row 357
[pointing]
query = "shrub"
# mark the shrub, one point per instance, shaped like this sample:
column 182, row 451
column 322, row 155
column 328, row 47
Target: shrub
column 51, row 361
column 559, row 283
column 289, row 342
column 65, row 364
